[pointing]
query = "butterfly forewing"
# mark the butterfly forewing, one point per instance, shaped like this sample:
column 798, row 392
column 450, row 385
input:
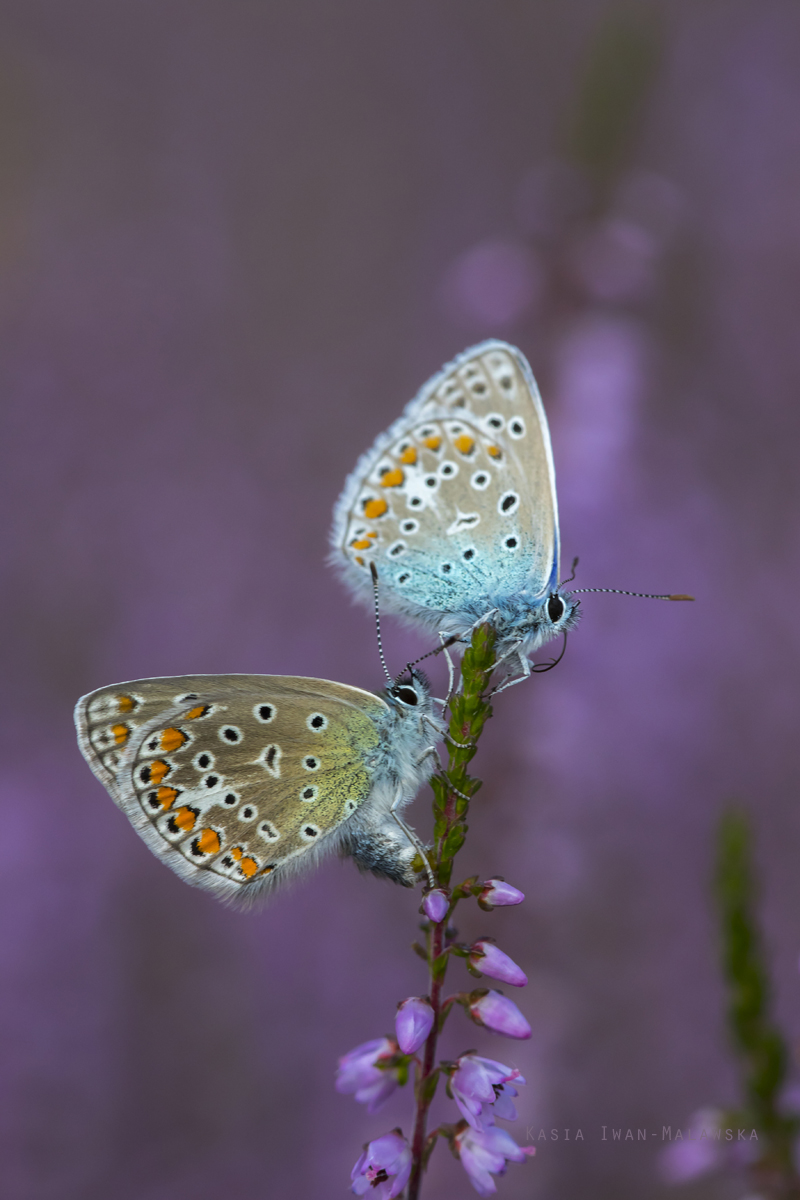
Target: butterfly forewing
column 457, row 499
column 228, row 778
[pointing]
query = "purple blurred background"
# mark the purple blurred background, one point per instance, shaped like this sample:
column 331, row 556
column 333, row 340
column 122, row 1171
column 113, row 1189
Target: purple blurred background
column 235, row 238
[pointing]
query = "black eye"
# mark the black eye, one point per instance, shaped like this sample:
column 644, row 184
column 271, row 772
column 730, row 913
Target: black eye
column 407, row 695
column 555, row 608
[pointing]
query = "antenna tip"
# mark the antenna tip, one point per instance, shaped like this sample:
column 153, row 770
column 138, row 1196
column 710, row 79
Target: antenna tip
column 374, row 572
column 676, row 597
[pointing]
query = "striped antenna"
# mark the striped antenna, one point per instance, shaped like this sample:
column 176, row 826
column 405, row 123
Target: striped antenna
column 374, row 572
column 641, row 595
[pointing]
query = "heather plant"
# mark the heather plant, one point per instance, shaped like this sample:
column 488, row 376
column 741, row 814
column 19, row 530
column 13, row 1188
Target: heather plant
column 482, row 1090
column 759, row 1136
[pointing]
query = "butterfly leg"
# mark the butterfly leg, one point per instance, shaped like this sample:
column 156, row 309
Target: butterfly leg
column 412, row 837
column 526, row 671
column 442, row 733
column 450, row 669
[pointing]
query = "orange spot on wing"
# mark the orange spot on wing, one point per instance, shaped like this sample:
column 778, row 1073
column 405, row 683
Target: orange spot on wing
column 237, row 852
column 464, row 443
column 433, row 443
column 184, row 818
column 359, row 560
column 392, row 478
column 361, row 544
column 166, row 796
column 494, row 451
column 199, row 711
column 120, row 733
column 172, row 739
column 375, row 508
column 158, row 770
column 208, row 842
column 267, row 870
column 409, row 456
column 248, row 867
column 126, row 704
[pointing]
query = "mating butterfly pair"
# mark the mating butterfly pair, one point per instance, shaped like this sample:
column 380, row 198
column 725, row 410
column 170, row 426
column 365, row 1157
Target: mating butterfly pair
column 237, row 780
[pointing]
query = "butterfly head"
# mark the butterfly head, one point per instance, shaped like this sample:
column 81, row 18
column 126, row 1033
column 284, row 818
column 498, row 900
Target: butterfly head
column 561, row 612
column 410, row 692
column 530, row 622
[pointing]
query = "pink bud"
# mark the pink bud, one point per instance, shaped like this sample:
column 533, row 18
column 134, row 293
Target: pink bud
column 486, row 958
column 435, row 905
column 496, row 892
column 413, row 1023
column 496, row 1012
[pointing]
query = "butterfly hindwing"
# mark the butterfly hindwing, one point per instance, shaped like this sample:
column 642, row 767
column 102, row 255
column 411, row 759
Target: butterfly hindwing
column 231, row 778
column 457, row 500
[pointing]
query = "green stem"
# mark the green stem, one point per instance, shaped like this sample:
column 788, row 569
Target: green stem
column 757, row 1040
column 469, row 711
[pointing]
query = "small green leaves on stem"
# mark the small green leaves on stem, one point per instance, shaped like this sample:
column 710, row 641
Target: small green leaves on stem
column 758, row 1041
column 452, row 790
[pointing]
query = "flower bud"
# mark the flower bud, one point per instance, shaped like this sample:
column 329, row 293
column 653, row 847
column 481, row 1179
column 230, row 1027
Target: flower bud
column 495, row 1012
column 496, row 892
column 435, row 905
column 486, row 958
column 413, row 1023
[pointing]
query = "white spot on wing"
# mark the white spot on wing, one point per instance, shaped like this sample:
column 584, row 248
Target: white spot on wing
column 463, row 521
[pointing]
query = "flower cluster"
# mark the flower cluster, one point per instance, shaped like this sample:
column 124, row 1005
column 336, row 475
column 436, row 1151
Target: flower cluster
column 482, row 1088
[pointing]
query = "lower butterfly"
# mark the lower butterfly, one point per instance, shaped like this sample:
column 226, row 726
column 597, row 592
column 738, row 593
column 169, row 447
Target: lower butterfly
column 238, row 781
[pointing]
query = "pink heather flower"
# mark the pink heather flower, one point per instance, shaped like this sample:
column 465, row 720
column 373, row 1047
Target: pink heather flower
column 435, row 905
column 701, row 1152
column 413, row 1023
column 485, row 1152
column 497, row 892
column 482, row 1081
column 486, row 958
column 383, row 1168
column 359, row 1072
column 499, row 1014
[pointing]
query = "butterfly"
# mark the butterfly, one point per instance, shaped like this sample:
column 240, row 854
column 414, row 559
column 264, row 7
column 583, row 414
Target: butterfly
column 238, row 781
column 456, row 506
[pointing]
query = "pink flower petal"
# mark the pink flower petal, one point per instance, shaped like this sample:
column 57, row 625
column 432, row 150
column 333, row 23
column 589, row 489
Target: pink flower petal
column 436, row 905
column 497, row 892
column 496, row 1012
column 413, row 1023
column 487, row 959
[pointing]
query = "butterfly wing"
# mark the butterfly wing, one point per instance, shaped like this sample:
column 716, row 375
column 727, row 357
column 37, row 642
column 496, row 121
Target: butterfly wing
column 233, row 780
column 456, row 502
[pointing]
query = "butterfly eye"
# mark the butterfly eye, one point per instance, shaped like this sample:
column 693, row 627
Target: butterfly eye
column 555, row 608
column 407, row 695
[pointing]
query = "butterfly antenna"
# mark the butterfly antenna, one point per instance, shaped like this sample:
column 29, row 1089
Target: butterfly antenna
column 374, row 573
column 641, row 595
column 575, row 562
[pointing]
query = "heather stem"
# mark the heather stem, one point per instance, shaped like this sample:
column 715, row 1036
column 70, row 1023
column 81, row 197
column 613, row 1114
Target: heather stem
column 469, row 711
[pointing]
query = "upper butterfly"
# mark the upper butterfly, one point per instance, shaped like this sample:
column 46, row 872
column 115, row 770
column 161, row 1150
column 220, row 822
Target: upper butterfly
column 235, row 781
column 456, row 506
